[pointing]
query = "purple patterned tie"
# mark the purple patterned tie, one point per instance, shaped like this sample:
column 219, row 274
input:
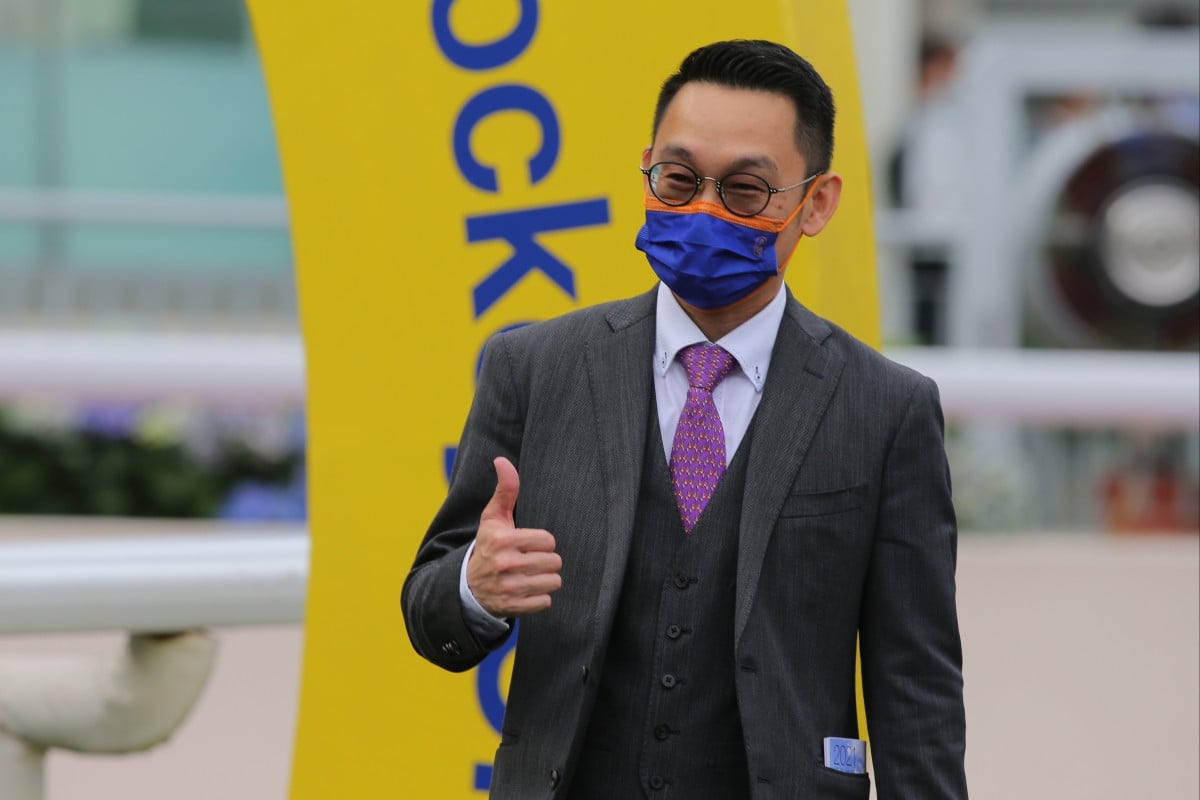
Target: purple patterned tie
column 698, row 452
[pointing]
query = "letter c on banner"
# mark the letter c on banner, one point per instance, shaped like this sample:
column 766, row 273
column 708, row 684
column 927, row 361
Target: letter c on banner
column 479, row 57
column 507, row 97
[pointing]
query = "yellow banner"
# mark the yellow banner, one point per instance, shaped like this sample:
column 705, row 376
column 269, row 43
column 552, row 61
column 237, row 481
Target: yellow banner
column 455, row 168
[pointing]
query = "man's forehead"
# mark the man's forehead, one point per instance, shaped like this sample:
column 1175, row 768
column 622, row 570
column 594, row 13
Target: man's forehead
column 701, row 101
column 743, row 128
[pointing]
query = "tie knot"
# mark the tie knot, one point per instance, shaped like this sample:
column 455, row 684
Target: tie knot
column 706, row 365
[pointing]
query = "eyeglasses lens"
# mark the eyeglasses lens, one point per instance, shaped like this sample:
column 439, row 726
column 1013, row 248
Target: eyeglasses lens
column 742, row 193
column 674, row 184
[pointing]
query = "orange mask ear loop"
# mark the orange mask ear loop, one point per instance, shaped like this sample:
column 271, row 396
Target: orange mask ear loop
column 788, row 221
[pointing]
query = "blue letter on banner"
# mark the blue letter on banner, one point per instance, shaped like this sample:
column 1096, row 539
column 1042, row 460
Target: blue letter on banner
column 508, row 97
column 518, row 228
column 484, row 56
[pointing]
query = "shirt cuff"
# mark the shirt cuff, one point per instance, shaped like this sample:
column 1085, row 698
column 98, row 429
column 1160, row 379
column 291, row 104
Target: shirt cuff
column 480, row 622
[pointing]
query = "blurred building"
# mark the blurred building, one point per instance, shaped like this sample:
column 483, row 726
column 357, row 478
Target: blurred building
column 1049, row 200
column 139, row 182
column 1048, row 186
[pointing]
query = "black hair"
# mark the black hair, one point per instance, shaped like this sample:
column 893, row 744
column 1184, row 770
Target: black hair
column 764, row 66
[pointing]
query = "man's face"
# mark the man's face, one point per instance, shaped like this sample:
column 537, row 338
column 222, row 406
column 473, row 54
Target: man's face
column 717, row 130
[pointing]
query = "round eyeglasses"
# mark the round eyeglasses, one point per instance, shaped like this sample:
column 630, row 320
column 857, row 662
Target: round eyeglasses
column 743, row 193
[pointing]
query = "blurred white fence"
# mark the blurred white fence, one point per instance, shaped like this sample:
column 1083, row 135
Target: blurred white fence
column 238, row 576
column 151, row 582
column 1042, row 387
column 213, row 368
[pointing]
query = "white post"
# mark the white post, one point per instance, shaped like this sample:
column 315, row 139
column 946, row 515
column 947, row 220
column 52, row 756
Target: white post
column 22, row 769
column 125, row 702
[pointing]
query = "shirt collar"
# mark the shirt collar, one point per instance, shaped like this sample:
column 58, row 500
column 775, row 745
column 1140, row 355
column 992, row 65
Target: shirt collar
column 750, row 343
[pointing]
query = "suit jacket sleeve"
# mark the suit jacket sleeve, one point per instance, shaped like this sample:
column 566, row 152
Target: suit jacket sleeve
column 911, row 651
column 433, row 610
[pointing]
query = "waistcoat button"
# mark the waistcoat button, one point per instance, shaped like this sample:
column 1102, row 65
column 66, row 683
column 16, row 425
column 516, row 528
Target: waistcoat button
column 656, row 782
column 668, row 681
column 661, row 732
column 682, row 581
column 554, row 778
column 673, row 631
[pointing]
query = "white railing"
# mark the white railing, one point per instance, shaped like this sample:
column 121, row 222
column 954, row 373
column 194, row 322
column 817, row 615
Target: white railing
column 113, row 366
column 243, row 575
column 1071, row 388
column 1041, row 387
column 154, row 582
column 239, row 575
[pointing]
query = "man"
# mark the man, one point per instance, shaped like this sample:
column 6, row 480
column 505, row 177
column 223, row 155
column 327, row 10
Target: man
column 696, row 500
column 925, row 177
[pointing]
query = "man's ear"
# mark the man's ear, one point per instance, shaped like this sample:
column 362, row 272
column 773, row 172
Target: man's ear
column 646, row 156
column 823, row 203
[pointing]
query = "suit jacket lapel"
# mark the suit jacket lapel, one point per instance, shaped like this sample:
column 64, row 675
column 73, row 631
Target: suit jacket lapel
column 619, row 371
column 799, row 386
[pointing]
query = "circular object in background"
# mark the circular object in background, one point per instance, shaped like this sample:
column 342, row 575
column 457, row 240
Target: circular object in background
column 1150, row 243
column 1119, row 263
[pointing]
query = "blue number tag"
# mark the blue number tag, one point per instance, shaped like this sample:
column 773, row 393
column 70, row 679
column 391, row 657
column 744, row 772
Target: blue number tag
column 846, row 755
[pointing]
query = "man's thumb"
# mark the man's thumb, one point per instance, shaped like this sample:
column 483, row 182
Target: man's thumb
column 508, row 484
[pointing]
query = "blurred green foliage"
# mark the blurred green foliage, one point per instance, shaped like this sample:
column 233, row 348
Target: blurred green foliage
column 82, row 472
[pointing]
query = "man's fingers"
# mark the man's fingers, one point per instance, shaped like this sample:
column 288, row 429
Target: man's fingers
column 513, row 562
column 504, row 499
column 533, row 540
column 536, row 564
column 516, row 586
column 509, row 582
column 515, row 540
column 529, row 605
column 528, row 594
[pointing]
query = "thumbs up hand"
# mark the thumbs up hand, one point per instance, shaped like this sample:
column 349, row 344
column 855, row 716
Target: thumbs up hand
column 512, row 570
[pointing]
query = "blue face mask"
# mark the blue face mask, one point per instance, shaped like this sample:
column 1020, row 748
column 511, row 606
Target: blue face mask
column 707, row 256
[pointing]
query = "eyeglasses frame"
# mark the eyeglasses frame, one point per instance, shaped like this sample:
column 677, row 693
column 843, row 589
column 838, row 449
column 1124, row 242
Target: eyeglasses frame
column 700, row 179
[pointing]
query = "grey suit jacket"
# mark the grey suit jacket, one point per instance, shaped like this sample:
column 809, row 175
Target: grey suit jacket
column 847, row 532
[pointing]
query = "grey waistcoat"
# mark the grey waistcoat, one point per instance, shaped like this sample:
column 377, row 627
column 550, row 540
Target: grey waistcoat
column 665, row 723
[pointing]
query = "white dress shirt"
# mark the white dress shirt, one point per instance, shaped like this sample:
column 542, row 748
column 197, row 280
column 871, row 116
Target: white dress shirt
column 736, row 399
